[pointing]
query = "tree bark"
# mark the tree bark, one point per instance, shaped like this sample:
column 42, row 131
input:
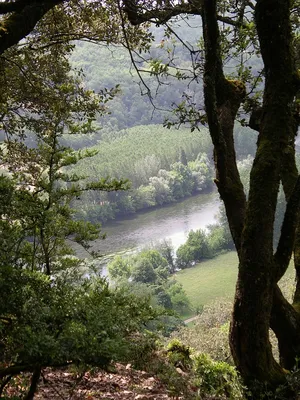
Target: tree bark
column 257, row 273
column 285, row 322
column 284, row 319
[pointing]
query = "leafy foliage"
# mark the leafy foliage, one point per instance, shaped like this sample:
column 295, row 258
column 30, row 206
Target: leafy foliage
column 148, row 272
column 217, row 378
column 51, row 313
column 194, row 250
column 65, row 320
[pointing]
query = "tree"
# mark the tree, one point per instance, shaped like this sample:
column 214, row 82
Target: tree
column 166, row 249
column 43, row 104
column 178, row 296
column 42, row 100
column 150, row 267
column 144, row 272
column 195, row 249
column 119, row 268
column 46, row 322
column 259, row 303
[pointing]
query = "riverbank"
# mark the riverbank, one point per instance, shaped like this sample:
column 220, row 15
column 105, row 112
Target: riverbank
column 172, row 222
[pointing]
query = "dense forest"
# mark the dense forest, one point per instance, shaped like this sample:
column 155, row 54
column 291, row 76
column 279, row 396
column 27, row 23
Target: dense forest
column 109, row 109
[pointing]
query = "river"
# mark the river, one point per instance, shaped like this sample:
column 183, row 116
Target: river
column 172, row 222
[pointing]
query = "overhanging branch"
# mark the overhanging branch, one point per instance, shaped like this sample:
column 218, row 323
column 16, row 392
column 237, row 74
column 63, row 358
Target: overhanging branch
column 20, row 23
column 137, row 15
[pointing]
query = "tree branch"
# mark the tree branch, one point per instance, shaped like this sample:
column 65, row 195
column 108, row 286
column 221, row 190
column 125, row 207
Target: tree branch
column 17, row 369
column 288, row 231
column 222, row 100
column 34, row 383
column 137, row 15
column 21, row 23
column 285, row 323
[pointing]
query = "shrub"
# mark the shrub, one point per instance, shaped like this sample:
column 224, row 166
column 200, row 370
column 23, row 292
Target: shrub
column 217, row 378
column 210, row 331
column 179, row 354
column 50, row 321
column 195, row 249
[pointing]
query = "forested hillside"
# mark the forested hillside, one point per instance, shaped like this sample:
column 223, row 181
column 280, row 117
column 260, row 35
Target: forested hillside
column 130, row 145
column 110, row 66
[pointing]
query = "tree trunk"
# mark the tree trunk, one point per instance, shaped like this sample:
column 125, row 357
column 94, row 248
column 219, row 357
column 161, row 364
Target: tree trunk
column 283, row 316
column 252, row 223
column 34, row 383
column 285, row 322
column 222, row 101
column 257, row 273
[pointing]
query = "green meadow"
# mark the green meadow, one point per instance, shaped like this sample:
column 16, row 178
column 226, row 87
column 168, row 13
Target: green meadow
column 210, row 279
column 216, row 278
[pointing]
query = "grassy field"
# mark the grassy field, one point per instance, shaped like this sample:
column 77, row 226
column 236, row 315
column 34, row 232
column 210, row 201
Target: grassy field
column 216, row 278
column 210, row 280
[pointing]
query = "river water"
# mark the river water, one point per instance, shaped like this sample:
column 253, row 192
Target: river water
column 172, row 222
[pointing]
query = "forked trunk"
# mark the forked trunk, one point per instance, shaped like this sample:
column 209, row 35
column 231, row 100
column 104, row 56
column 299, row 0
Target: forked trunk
column 257, row 274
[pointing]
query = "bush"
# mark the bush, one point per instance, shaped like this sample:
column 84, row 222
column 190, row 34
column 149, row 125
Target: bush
column 210, row 331
column 217, row 378
column 195, row 249
column 52, row 321
column 178, row 296
column 119, row 268
column 179, row 354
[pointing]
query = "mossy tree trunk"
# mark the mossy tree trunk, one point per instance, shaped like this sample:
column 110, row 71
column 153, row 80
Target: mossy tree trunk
column 285, row 322
column 222, row 100
column 252, row 223
column 285, row 318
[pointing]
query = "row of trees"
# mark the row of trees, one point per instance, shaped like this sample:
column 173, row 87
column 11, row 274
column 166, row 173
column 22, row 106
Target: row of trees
column 184, row 179
column 141, row 151
column 201, row 245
